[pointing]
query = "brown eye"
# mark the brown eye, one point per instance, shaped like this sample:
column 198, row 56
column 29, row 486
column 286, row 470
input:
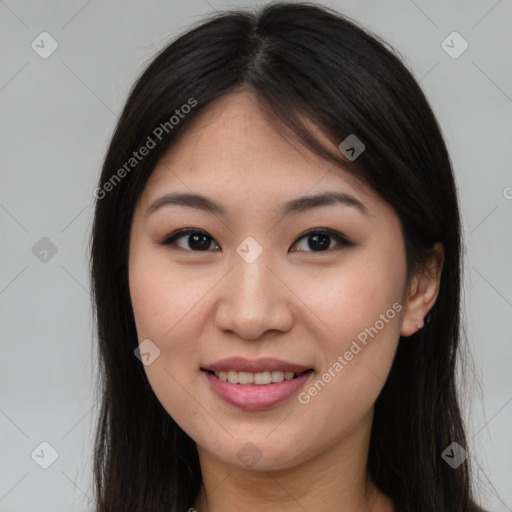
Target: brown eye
column 194, row 240
column 320, row 240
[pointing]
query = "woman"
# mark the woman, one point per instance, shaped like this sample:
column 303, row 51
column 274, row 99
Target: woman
column 276, row 267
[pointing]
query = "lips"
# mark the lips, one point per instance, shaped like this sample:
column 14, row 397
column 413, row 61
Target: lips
column 254, row 397
column 257, row 384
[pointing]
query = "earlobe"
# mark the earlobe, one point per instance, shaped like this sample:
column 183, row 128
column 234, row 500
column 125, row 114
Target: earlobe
column 423, row 292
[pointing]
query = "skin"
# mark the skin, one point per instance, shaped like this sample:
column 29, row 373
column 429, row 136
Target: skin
column 293, row 302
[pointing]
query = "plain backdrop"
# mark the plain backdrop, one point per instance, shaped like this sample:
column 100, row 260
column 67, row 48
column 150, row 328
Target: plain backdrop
column 57, row 116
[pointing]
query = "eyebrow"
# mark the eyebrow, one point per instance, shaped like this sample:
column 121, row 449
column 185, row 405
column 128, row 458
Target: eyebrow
column 297, row 205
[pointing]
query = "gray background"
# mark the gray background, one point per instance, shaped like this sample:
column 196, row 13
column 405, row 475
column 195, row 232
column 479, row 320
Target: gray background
column 57, row 115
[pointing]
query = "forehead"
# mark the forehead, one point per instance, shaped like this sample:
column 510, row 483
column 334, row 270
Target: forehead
column 235, row 151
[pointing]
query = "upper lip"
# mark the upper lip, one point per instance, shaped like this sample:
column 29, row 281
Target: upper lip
column 242, row 364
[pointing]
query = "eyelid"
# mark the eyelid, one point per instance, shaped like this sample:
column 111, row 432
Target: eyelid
column 342, row 239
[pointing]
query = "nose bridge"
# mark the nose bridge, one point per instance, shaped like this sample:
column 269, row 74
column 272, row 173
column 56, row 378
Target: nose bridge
column 252, row 298
column 251, row 290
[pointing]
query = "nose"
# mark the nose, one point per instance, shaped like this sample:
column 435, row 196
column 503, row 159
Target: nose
column 253, row 299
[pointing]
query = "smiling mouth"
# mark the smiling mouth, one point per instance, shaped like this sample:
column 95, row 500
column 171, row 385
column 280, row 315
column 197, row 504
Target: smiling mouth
column 256, row 378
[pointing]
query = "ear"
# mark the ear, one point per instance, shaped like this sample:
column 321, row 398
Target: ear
column 423, row 292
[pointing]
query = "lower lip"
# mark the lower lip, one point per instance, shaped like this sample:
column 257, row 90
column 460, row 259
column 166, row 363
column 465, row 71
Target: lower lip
column 255, row 397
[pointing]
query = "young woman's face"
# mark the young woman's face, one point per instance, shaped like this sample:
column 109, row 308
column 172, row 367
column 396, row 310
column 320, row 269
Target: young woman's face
column 254, row 280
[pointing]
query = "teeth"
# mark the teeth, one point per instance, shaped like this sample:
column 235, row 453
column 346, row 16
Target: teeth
column 277, row 376
column 260, row 378
column 245, row 377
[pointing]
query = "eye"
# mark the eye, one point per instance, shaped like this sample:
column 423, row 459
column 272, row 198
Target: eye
column 197, row 239
column 319, row 240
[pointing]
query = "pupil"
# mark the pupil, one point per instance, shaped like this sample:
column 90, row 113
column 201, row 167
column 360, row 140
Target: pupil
column 193, row 241
column 322, row 241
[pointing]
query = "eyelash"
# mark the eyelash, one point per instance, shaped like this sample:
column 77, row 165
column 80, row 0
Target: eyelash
column 338, row 237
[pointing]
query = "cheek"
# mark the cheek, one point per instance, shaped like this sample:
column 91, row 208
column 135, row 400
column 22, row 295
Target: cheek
column 344, row 301
column 361, row 313
column 162, row 296
column 166, row 310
